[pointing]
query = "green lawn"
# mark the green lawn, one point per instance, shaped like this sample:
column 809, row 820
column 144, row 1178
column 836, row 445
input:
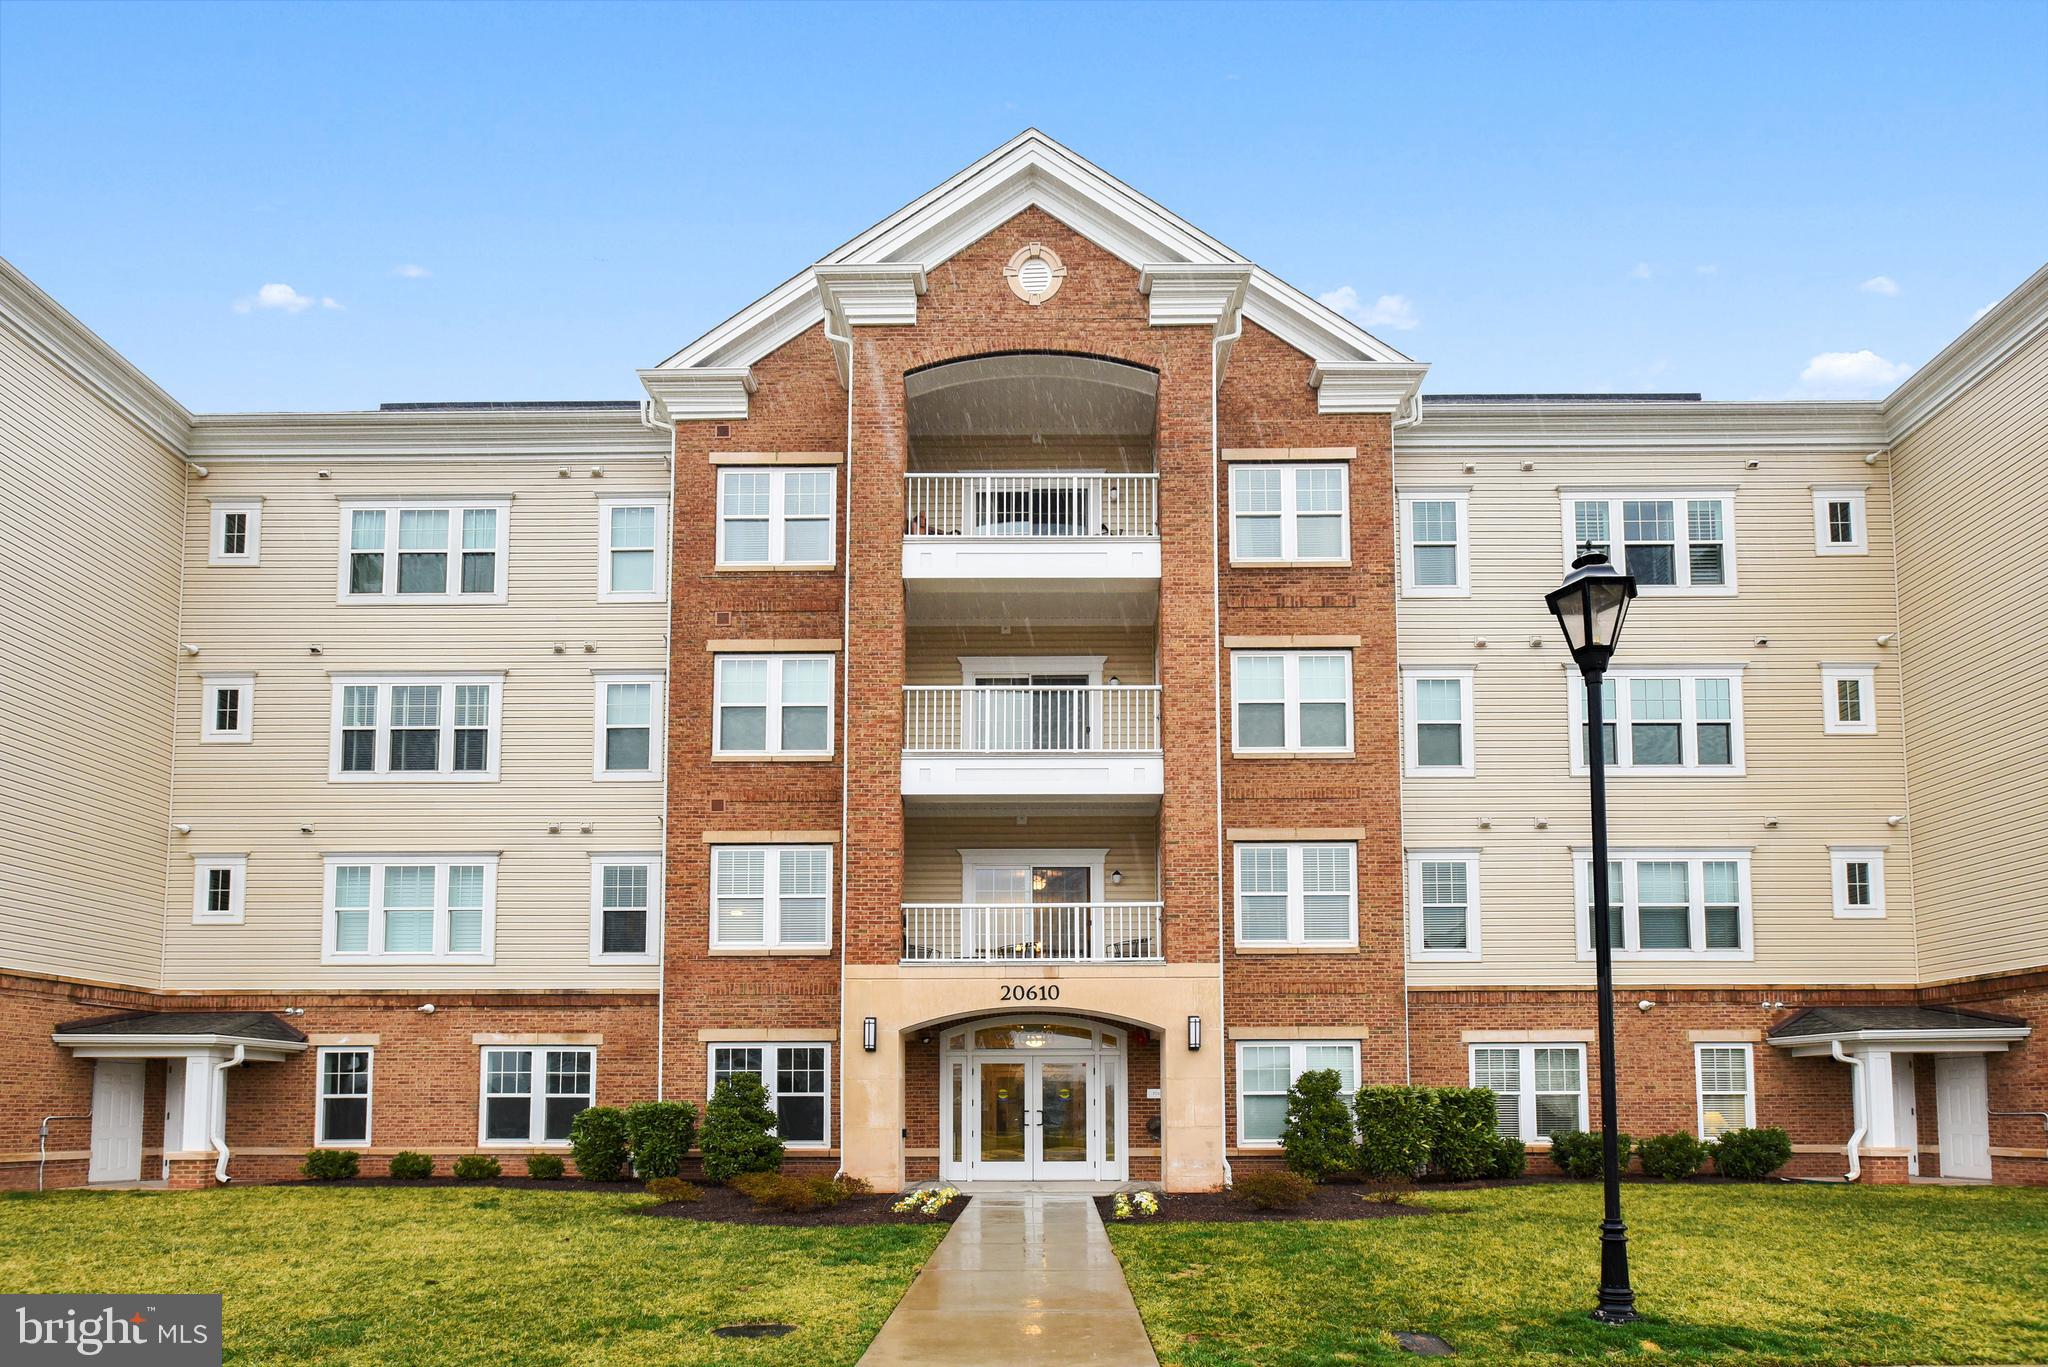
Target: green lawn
column 487, row 1276
column 1797, row 1274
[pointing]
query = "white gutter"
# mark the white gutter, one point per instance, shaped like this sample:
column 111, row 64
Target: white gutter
column 1216, row 349
column 220, row 1124
column 845, row 702
column 1860, row 1101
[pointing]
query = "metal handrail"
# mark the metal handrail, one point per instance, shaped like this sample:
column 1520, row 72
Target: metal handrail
column 1011, row 932
column 1030, row 504
column 1030, row 718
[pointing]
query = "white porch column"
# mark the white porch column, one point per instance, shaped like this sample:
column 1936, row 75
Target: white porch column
column 198, row 1101
column 1880, row 1111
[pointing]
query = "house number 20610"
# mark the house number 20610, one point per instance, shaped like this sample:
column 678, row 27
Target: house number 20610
column 1031, row 992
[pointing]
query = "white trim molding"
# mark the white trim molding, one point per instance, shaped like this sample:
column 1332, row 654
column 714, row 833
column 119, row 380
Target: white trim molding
column 1856, row 498
column 204, row 867
column 1856, row 873
column 1420, row 903
column 217, row 513
column 1834, row 721
column 211, row 686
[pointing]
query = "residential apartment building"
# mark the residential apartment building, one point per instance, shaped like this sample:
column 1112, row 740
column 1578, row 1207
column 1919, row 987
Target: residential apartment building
column 1028, row 687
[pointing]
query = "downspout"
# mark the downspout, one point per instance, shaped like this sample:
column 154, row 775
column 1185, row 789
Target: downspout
column 845, row 701
column 220, row 1123
column 1216, row 349
column 1859, row 1101
column 648, row 419
column 1401, row 725
column 43, row 1142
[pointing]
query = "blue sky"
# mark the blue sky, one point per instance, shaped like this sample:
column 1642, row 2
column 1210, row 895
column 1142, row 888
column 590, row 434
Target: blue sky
column 328, row 206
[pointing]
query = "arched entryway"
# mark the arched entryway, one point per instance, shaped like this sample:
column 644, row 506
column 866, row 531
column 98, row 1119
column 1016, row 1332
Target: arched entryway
column 1033, row 1099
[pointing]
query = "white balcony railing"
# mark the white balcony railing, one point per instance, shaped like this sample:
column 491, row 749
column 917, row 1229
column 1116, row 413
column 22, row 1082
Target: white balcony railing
column 1040, row 504
column 1074, row 932
column 1030, row 719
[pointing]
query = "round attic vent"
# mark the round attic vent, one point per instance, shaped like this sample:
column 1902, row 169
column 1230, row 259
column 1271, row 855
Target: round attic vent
column 1034, row 276
column 1035, row 273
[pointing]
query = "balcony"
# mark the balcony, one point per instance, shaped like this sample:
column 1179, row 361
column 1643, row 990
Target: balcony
column 1031, row 526
column 1072, row 741
column 1069, row 932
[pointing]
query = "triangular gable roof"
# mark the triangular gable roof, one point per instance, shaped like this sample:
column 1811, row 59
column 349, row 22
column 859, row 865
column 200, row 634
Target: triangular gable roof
column 1032, row 170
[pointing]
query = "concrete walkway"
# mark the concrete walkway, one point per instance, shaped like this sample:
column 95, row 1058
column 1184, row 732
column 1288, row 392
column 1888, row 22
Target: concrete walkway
column 1019, row 1281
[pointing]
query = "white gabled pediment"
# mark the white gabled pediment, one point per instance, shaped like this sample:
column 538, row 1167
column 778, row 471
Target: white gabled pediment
column 1032, row 171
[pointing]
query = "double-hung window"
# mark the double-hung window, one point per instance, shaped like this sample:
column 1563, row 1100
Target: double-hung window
column 1848, row 700
column 628, row 727
column 1297, row 894
column 343, row 1115
column 1443, row 893
column 769, row 897
column 1539, row 1090
column 772, row 705
column 1435, row 553
column 796, row 1078
column 1670, row 904
column 1858, row 877
column 530, row 1096
column 1290, row 702
column 773, row 515
column 1838, row 527
column 1290, row 514
column 1438, row 706
column 410, row 909
column 414, row 551
column 1671, row 542
column 1726, row 1084
column 629, row 551
column 217, row 887
column 410, row 726
column 625, row 901
column 234, row 531
column 227, row 708
column 1266, row 1069
column 1663, row 721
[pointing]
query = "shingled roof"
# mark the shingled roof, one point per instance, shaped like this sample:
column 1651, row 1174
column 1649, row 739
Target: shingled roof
column 1845, row 1020
column 252, row 1025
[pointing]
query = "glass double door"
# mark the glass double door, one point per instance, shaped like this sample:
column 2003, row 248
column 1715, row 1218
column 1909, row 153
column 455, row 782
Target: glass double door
column 1037, row 1118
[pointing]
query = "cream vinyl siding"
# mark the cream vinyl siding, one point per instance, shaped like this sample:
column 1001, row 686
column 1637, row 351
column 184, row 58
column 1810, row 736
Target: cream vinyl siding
column 1822, row 790
column 254, row 798
column 89, row 556
column 1971, row 489
column 933, row 654
column 932, row 845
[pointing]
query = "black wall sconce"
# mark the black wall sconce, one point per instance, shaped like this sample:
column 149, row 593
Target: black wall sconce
column 1194, row 1033
column 867, row 1034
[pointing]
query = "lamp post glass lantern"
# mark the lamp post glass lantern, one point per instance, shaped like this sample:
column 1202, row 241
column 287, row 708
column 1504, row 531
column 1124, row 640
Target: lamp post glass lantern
column 1590, row 606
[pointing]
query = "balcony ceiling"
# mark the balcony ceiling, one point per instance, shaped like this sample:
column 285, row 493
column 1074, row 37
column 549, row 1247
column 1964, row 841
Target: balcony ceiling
column 975, row 602
column 1032, row 395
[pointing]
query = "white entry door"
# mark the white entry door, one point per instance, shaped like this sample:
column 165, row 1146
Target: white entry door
column 1962, row 1106
column 1037, row 1118
column 116, row 1121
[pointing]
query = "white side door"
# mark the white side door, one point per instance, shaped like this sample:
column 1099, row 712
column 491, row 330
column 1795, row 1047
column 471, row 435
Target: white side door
column 1962, row 1105
column 1906, row 1111
column 116, row 1121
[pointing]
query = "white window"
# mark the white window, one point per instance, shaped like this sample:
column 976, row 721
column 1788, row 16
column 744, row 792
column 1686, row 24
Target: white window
column 629, row 717
column 772, row 705
column 1439, row 711
column 1859, row 882
column 531, row 1095
column 771, row 897
column 415, row 726
column 410, row 909
column 1443, row 899
column 413, row 551
column 217, row 881
column 796, row 1078
column 1838, row 520
column 1663, row 721
column 1290, row 514
column 629, row 559
column 1672, row 542
column 1266, row 1069
column 1670, row 904
column 1297, row 895
column 625, row 908
column 1435, row 552
column 776, row 516
column 227, row 705
column 342, row 1109
column 1539, row 1090
column 234, row 531
column 1848, row 700
column 1287, row 702
column 1726, row 1083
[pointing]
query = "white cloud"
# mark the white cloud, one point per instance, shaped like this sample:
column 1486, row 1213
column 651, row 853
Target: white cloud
column 1396, row 311
column 411, row 272
column 1851, row 375
column 1880, row 284
column 1986, row 309
column 1640, row 271
column 284, row 299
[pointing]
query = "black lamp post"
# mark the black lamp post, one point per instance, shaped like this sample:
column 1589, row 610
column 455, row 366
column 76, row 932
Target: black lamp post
column 1590, row 605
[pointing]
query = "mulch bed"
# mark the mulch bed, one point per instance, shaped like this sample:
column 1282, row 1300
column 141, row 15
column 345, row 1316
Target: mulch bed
column 1330, row 1202
column 723, row 1205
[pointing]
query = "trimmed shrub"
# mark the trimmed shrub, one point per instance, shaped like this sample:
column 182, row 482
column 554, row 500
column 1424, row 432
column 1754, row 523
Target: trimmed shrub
column 1510, row 1159
column 1317, row 1135
column 676, row 1190
column 597, row 1141
column 1274, row 1190
column 1393, row 1131
column 790, row 1192
column 856, row 1186
column 408, row 1166
column 1673, row 1157
column 330, row 1165
column 543, row 1167
column 737, row 1136
column 1752, row 1155
column 1462, row 1133
column 476, row 1167
column 1580, row 1154
column 660, row 1133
